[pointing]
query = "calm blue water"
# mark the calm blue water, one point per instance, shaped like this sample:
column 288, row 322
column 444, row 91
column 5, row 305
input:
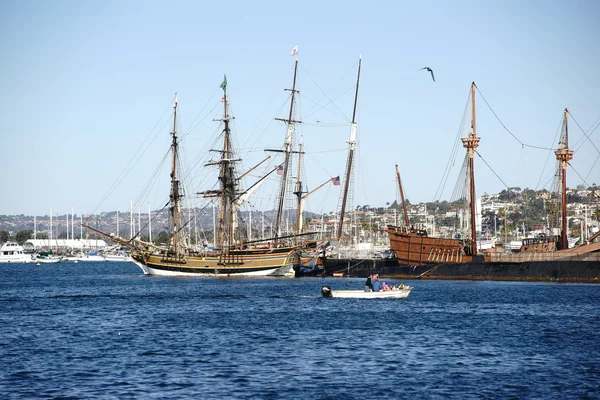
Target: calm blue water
column 106, row 331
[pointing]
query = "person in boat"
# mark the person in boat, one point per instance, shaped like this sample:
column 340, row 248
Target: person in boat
column 369, row 284
column 384, row 286
column 393, row 287
column 376, row 283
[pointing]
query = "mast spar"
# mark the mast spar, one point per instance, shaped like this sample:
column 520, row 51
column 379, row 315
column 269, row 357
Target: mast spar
column 298, row 191
column 471, row 143
column 406, row 220
column 288, row 151
column 564, row 155
column 175, row 192
column 351, row 148
column 226, row 178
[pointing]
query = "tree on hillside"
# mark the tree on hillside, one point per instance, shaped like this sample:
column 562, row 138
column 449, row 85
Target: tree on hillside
column 4, row 236
column 23, row 236
column 443, row 206
column 504, row 195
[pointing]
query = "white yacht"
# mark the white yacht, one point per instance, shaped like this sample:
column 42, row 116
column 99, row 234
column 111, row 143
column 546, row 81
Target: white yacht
column 120, row 256
column 86, row 257
column 11, row 252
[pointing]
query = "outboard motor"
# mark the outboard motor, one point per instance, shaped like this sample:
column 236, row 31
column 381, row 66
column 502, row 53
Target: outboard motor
column 326, row 291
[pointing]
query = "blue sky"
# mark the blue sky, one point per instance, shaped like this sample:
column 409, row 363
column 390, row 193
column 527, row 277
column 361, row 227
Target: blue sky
column 84, row 83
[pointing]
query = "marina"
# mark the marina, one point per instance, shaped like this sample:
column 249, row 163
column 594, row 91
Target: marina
column 456, row 246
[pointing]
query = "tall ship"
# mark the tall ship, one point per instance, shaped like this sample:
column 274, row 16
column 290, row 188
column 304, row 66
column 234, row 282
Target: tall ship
column 424, row 255
column 230, row 255
column 322, row 263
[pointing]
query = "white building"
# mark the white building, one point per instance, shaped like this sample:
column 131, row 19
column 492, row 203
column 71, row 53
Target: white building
column 76, row 244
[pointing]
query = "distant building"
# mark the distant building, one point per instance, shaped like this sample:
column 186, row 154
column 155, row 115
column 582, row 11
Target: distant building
column 66, row 244
column 544, row 195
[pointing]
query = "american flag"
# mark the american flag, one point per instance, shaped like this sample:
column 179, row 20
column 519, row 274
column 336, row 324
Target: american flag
column 336, row 181
column 280, row 169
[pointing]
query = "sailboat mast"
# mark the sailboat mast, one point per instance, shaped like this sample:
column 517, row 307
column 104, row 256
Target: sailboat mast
column 564, row 155
column 406, row 221
column 175, row 194
column 288, row 152
column 351, row 148
column 471, row 143
column 298, row 191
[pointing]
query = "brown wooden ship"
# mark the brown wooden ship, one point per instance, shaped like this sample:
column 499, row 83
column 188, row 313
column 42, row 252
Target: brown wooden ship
column 415, row 248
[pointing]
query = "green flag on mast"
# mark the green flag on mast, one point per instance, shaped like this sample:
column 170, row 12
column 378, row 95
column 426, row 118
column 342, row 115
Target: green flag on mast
column 224, row 84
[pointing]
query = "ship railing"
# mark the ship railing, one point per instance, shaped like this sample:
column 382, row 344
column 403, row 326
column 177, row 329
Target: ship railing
column 544, row 256
column 174, row 258
column 230, row 259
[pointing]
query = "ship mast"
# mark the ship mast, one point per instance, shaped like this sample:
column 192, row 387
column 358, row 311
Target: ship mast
column 288, row 151
column 226, row 178
column 175, row 193
column 406, row 221
column 351, row 148
column 298, row 192
column 471, row 143
column 564, row 155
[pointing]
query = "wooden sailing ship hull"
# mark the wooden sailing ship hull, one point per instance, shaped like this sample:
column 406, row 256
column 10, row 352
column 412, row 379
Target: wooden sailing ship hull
column 571, row 270
column 416, row 248
column 525, row 267
column 275, row 262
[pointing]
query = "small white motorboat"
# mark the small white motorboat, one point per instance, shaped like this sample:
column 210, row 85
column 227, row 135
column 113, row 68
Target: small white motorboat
column 400, row 293
column 48, row 259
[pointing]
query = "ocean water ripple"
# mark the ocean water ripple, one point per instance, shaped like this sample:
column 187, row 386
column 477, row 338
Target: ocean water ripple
column 106, row 331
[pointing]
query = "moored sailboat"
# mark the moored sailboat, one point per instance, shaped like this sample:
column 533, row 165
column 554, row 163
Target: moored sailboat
column 48, row 258
column 321, row 265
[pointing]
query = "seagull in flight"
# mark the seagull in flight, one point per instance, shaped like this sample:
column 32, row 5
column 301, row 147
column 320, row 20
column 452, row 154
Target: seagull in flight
column 430, row 70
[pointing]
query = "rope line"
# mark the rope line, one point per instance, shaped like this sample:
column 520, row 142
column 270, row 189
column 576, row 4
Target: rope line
column 504, row 126
column 585, row 134
column 494, row 172
column 578, row 174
